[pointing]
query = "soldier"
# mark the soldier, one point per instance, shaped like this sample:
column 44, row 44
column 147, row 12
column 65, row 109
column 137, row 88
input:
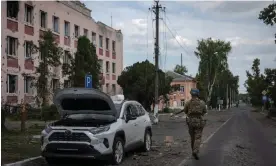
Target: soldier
column 195, row 109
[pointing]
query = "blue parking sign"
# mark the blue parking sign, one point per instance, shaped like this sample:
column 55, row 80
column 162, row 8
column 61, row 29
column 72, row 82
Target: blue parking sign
column 264, row 98
column 88, row 81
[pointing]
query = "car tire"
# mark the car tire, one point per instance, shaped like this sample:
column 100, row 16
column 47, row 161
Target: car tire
column 147, row 141
column 118, row 153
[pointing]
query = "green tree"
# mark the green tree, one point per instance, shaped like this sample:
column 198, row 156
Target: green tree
column 270, row 79
column 268, row 14
column 213, row 59
column 85, row 62
column 137, row 82
column 180, row 69
column 255, row 83
column 50, row 54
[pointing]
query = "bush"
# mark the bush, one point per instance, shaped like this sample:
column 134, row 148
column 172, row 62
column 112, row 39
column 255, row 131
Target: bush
column 45, row 113
column 49, row 113
column 166, row 110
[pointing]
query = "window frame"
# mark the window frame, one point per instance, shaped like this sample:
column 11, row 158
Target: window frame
column 54, row 27
column 41, row 20
column 31, row 21
column 8, row 83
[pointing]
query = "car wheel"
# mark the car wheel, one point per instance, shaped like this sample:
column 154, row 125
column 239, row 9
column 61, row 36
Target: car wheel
column 118, row 151
column 147, row 141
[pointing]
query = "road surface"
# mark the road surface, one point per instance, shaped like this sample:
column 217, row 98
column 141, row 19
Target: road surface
column 247, row 139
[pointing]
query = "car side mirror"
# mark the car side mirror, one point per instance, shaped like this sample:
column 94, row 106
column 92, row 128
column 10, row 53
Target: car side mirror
column 129, row 117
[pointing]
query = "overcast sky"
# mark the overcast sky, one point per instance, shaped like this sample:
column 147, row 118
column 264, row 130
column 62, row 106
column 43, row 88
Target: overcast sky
column 191, row 21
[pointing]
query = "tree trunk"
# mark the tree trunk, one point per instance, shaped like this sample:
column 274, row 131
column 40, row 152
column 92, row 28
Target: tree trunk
column 210, row 89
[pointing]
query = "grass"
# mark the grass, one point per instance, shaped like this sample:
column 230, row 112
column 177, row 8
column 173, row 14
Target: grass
column 18, row 145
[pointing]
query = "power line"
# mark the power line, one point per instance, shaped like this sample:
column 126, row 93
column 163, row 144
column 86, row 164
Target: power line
column 176, row 39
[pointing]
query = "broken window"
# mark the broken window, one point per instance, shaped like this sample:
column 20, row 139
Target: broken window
column 43, row 19
column 107, row 43
column 113, row 46
column 28, row 14
column 100, row 41
column 181, row 88
column 55, row 84
column 77, row 31
column 94, row 38
column 28, row 49
column 11, row 83
column 113, row 67
column 107, row 67
column 66, row 57
column 12, row 46
column 66, row 28
column 101, row 64
column 28, row 85
column 85, row 32
column 56, row 24
column 12, row 9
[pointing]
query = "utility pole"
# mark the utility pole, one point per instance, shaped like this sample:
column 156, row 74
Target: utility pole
column 181, row 61
column 226, row 96
column 156, row 9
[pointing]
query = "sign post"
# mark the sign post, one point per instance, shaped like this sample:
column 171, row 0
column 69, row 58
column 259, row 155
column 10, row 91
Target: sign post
column 264, row 98
column 88, row 81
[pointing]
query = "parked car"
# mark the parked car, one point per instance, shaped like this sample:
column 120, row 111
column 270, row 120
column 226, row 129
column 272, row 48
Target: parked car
column 93, row 126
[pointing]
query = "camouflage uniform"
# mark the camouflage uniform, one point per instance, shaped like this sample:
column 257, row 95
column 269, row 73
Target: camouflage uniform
column 195, row 109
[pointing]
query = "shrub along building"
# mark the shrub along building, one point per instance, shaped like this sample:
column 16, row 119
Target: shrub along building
column 25, row 21
column 181, row 86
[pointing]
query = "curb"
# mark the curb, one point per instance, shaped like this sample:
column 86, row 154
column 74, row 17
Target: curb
column 19, row 163
column 273, row 118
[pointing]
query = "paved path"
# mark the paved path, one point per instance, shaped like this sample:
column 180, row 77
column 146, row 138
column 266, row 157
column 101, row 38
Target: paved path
column 242, row 141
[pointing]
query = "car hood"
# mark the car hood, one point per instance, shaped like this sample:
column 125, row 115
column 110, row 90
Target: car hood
column 82, row 100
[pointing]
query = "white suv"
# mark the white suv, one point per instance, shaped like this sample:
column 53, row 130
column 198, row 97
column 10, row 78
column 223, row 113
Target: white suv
column 93, row 126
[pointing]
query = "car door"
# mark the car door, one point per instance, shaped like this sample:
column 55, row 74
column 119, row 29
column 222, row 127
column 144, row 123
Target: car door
column 141, row 122
column 138, row 122
column 130, row 126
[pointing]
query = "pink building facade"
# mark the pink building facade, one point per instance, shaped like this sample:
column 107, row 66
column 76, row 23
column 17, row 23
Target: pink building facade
column 181, row 85
column 68, row 20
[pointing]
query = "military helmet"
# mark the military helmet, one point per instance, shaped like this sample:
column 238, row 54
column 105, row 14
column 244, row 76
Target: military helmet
column 194, row 92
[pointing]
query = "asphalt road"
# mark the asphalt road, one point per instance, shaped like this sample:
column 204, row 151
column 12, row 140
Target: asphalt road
column 247, row 139
column 171, row 143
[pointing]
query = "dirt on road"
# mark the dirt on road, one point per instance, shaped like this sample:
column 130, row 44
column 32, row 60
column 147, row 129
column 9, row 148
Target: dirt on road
column 171, row 142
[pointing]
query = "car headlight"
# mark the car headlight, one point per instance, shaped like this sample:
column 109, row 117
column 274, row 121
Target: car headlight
column 99, row 129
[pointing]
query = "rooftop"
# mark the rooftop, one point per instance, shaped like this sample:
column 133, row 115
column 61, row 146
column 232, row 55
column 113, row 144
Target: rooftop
column 179, row 77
